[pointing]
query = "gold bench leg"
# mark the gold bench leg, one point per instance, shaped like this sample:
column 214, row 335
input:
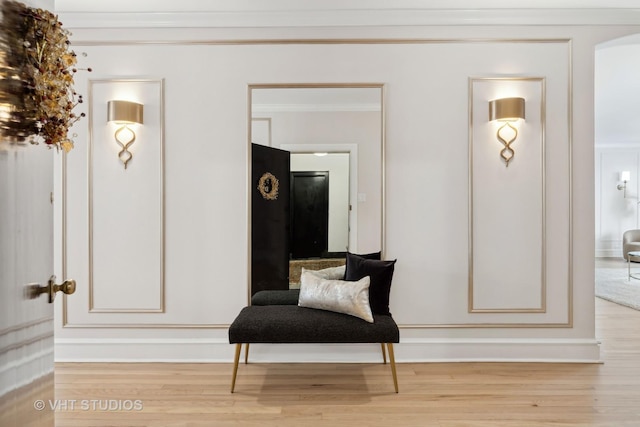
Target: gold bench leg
column 246, row 354
column 235, row 366
column 384, row 354
column 392, row 359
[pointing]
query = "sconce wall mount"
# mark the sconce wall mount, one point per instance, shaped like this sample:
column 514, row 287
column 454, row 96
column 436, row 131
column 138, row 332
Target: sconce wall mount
column 507, row 110
column 125, row 113
column 625, row 176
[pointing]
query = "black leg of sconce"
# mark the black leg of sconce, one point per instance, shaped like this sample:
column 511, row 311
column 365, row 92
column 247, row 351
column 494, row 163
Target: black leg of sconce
column 507, row 152
column 125, row 155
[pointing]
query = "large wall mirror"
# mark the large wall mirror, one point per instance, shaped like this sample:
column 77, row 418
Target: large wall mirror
column 316, row 177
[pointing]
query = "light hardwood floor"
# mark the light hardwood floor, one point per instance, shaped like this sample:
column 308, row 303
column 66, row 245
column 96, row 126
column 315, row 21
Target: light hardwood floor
column 431, row 394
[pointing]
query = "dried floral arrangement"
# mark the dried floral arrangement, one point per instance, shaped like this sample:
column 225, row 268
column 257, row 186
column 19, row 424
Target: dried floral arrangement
column 37, row 68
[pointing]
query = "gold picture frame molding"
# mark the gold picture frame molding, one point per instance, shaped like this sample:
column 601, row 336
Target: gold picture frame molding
column 543, row 267
column 352, row 41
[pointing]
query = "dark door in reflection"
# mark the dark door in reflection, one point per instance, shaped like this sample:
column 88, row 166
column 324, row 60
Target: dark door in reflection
column 269, row 218
column 309, row 214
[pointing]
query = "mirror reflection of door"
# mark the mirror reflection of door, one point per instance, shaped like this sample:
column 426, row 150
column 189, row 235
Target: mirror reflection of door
column 309, row 214
column 341, row 120
column 269, row 218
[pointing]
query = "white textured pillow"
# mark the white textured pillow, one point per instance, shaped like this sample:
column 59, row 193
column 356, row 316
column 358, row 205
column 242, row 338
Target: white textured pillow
column 335, row 295
column 331, row 273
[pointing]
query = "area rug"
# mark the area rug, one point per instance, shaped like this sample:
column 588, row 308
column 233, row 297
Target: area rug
column 612, row 284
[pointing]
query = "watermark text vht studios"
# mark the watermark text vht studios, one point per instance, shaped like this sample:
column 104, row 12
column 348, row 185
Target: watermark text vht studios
column 106, row 405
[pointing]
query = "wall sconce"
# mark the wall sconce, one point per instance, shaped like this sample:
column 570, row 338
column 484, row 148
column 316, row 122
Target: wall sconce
column 124, row 113
column 507, row 110
column 625, row 176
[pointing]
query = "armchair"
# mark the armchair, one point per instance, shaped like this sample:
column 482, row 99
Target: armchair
column 630, row 242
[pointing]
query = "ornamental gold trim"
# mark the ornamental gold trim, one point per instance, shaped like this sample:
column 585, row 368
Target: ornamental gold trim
column 269, row 185
column 507, row 154
column 353, row 41
column 159, row 85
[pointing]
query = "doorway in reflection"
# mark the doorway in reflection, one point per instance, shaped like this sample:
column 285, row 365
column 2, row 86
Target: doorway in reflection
column 309, row 219
column 320, row 205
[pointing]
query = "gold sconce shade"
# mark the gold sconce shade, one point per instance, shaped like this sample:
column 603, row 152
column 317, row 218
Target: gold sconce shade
column 507, row 110
column 125, row 113
column 510, row 109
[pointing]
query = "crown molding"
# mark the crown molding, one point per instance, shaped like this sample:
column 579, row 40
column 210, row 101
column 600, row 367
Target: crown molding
column 78, row 18
column 316, row 5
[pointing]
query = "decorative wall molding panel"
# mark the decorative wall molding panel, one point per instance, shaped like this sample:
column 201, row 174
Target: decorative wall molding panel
column 26, row 348
column 507, row 253
column 126, row 222
column 126, row 205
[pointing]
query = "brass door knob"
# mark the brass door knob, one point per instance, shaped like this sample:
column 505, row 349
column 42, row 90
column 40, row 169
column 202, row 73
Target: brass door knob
column 67, row 287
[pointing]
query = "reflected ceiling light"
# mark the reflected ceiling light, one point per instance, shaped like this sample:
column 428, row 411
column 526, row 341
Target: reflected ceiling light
column 509, row 111
column 320, row 154
column 125, row 113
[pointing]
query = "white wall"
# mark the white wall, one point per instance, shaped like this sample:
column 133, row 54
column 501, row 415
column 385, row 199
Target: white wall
column 617, row 92
column 43, row 4
column 427, row 188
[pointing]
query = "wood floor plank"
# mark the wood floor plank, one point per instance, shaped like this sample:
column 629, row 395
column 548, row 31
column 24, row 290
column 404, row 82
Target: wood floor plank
column 431, row 394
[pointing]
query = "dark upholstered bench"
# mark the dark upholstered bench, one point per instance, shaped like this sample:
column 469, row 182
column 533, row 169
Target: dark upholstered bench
column 280, row 324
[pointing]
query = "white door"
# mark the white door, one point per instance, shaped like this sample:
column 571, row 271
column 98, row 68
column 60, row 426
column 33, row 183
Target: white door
column 26, row 265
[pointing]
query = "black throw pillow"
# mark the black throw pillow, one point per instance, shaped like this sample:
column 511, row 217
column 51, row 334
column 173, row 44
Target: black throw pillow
column 380, row 274
column 372, row 255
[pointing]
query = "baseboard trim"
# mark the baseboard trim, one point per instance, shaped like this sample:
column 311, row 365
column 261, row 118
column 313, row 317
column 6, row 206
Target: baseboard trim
column 500, row 350
column 609, row 253
column 409, row 351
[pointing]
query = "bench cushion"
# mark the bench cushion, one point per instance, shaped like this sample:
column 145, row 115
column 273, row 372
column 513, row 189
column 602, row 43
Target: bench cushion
column 293, row 324
column 277, row 297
